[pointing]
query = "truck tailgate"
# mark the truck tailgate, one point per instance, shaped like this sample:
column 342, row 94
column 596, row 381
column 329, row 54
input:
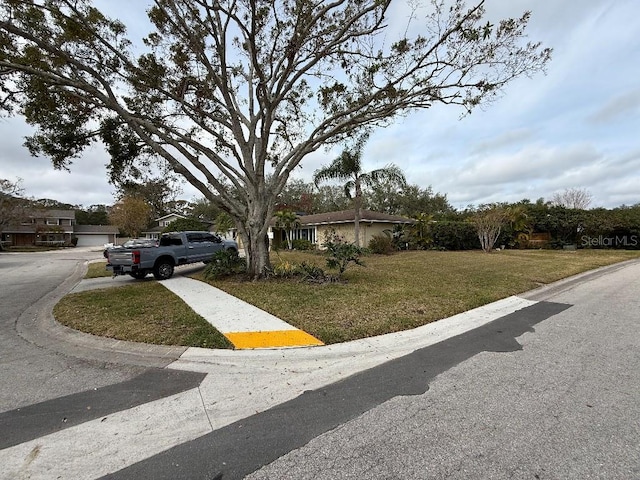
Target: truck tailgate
column 120, row 258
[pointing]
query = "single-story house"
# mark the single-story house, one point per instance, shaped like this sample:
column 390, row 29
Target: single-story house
column 315, row 228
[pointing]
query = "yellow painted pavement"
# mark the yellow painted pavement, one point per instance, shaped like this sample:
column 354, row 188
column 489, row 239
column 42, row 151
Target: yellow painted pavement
column 271, row 339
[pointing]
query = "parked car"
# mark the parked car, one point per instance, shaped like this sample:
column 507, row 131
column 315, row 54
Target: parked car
column 133, row 243
column 176, row 248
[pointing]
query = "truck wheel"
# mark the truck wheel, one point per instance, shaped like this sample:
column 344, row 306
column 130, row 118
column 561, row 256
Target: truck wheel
column 139, row 275
column 163, row 270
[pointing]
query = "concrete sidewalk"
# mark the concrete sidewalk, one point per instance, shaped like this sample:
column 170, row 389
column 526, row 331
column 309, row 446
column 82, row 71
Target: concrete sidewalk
column 245, row 325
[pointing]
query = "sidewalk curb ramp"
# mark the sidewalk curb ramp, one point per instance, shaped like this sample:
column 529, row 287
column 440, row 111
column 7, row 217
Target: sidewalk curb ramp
column 246, row 326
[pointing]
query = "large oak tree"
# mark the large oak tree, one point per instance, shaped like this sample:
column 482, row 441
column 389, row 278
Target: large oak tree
column 233, row 94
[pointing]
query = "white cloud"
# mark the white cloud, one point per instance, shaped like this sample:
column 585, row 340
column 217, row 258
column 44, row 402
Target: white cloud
column 625, row 106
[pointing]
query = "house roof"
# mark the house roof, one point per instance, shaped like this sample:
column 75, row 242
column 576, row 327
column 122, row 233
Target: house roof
column 53, row 214
column 19, row 229
column 348, row 216
column 169, row 215
column 95, row 229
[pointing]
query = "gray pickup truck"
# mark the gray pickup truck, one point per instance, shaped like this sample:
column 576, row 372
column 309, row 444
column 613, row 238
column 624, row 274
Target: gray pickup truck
column 177, row 248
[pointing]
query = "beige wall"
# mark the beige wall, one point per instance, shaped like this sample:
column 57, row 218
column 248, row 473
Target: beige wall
column 347, row 231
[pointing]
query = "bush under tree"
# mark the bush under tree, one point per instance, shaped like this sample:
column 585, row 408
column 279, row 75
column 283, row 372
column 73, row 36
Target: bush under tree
column 224, row 263
column 381, row 245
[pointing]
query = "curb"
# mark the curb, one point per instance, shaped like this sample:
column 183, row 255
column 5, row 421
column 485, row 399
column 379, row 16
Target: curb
column 38, row 326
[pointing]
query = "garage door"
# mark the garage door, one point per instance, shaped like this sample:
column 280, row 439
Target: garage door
column 92, row 240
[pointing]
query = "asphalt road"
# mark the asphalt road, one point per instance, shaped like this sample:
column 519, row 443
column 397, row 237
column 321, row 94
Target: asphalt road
column 549, row 391
column 30, row 374
column 48, row 388
column 564, row 404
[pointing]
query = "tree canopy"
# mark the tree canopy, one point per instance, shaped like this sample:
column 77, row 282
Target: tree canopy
column 159, row 193
column 579, row 198
column 131, row 215
column 233, row 94
column 93, row 215
column 185, row 224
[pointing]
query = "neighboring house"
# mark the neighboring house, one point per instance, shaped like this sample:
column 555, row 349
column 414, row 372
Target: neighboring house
column 95, row 235
column 154, row 232
column 315, row 228
column 41, row 227
column 55, row 228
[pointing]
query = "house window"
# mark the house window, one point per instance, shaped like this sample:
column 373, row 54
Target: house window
column 304, row 234
column 52, row 221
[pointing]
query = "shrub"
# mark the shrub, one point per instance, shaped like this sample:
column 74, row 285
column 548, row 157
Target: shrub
column 381, row 244
column 454, row 236
column 341, row 254
column 302, row 244
column 306, row 272
column 224, row 263
column 284, row 269
column 312, row 273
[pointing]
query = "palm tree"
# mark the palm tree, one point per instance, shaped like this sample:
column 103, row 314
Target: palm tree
column 287, row 220
column 348, row 166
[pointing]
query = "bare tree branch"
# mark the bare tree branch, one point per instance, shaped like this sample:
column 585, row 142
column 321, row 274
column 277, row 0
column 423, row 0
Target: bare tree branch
column 233, row 94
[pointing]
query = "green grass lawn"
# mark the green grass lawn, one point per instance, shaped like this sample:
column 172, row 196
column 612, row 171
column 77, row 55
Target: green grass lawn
column 409, row 289
column 144, row 312
column 390, row 293
column 97, row 270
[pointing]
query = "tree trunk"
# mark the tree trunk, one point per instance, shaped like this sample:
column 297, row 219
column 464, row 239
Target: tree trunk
column 358, row 212
column 358, row 215
column 256, row 244
column 488, row 237
column 256, row 248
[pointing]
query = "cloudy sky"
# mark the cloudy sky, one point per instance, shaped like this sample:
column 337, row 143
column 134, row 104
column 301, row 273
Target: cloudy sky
column 576, row 127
